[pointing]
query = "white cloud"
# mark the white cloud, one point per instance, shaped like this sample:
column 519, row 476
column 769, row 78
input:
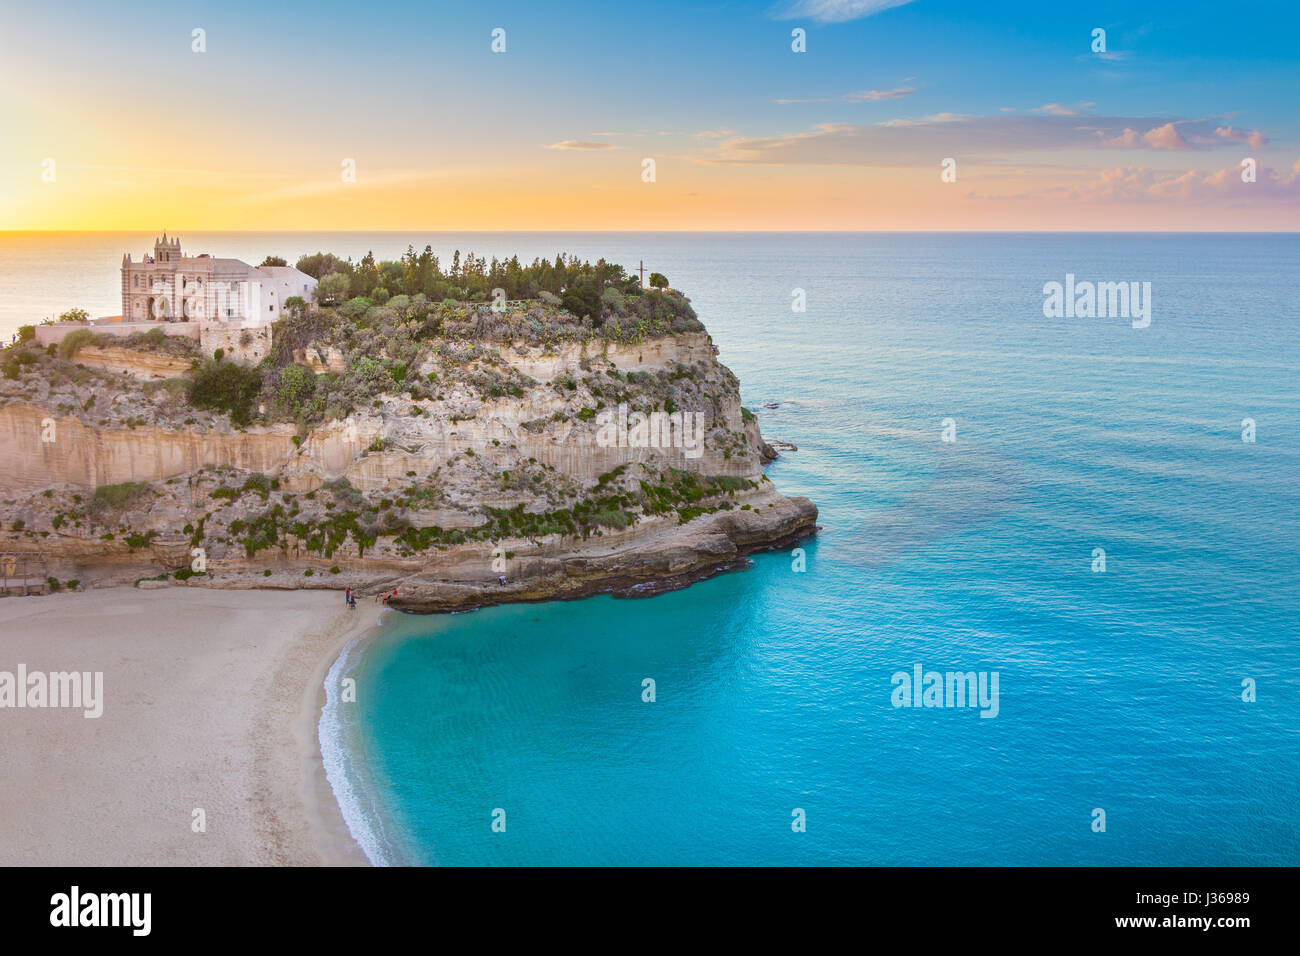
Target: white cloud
column 836, row 11
column 859, row 96
column 579, row 144
column 871, row 96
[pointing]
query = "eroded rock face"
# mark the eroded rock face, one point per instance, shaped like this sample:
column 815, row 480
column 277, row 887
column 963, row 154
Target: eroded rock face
column 451, row 462
column 87, row 456
column 147, row 366
column 545, row 366
column 41, row 449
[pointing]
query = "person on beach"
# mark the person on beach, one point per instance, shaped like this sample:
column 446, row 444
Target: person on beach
column 347, row 596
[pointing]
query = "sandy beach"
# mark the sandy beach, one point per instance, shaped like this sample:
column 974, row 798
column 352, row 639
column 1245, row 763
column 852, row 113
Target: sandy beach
column 210, row 702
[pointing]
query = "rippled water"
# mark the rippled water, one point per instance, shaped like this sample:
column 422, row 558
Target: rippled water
column 1119, row 690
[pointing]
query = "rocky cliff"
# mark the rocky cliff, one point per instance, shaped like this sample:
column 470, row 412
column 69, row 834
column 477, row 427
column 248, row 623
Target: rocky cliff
column 469, row 473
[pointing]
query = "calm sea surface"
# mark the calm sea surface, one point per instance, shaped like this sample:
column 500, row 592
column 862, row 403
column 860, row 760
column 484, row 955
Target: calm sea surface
column 1119, row 691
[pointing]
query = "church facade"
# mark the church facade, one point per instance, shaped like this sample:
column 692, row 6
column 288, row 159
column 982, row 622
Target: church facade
column 170, row 286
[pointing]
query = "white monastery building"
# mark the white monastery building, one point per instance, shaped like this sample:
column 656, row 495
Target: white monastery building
column 170, row 286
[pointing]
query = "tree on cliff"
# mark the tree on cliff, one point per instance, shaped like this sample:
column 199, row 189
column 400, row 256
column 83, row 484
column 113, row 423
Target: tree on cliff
column 295, row 305
column 322, row 264
column 582, row 298
column 658, row 280
column 334, row 288
column 273, row 261
column 75, row 315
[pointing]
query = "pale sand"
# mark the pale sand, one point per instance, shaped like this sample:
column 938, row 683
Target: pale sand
column 211, row 700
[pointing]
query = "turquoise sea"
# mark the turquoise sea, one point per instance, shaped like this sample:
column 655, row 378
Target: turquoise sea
column 1118, row 690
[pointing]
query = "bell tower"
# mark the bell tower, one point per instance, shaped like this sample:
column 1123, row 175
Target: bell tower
column 166, row 250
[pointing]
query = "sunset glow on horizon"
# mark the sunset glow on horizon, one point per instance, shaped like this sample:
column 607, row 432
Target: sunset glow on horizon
column 124, row 124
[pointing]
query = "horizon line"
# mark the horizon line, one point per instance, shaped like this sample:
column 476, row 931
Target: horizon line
column 941, row 232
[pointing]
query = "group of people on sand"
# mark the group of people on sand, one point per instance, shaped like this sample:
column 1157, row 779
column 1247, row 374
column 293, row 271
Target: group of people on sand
column 350, row 599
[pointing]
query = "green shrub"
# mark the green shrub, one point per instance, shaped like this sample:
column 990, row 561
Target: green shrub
column 18, row 359
column 612, row 518
column 226, row 387
column 294, row 388
column 136, row 541
column 259, row 483
column 74, row 341
column 614, row 300
column 120, row 497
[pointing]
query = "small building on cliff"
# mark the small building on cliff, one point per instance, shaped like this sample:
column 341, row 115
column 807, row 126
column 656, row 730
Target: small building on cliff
column 222, row 303
column 170, row 286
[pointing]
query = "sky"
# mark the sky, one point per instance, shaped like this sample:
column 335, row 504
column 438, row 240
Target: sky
column 632, row 116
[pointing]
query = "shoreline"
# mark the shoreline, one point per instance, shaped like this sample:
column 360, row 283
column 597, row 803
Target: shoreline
column 330, row 835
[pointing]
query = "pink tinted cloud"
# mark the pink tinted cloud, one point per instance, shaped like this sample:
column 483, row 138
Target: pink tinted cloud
column 1251, row 137
column 1140, row 184
column 1165, row 137
column 1158, row 137
column 906, row 142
